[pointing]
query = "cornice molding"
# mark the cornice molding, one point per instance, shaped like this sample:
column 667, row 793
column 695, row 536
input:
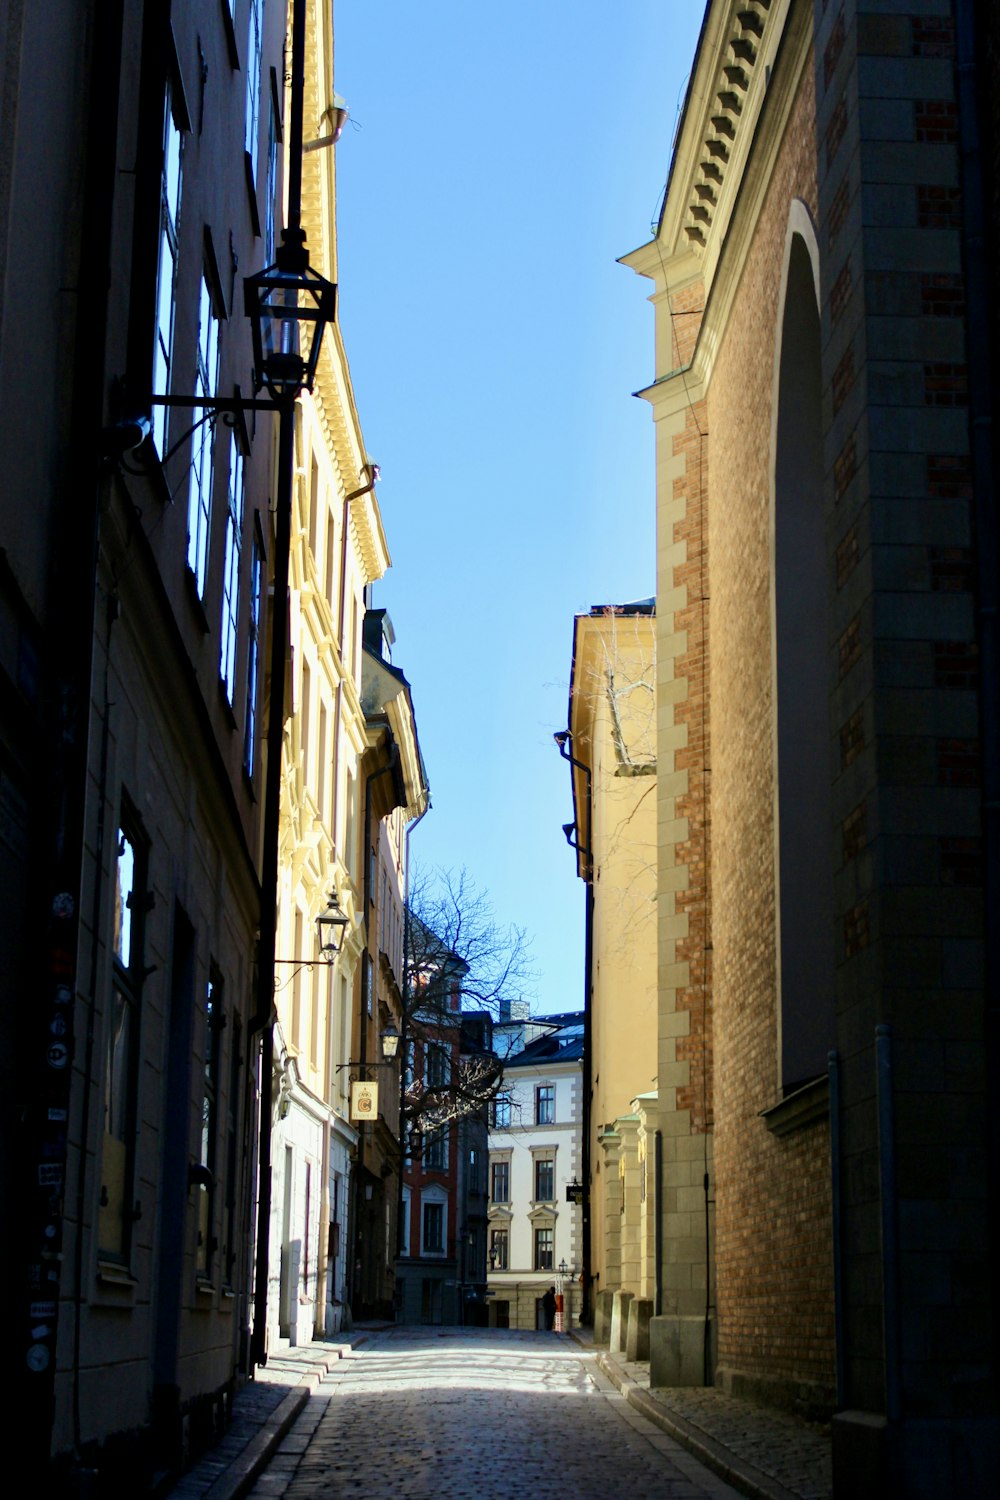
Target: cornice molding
column 737, row 110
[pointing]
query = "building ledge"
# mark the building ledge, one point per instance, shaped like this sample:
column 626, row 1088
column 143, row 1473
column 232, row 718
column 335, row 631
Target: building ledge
column 807, row 1106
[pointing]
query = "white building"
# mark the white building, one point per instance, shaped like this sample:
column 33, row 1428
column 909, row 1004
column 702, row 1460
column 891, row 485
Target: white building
column 535, row 1229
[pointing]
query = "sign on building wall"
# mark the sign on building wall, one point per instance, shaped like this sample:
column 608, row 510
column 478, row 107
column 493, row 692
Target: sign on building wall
column 364, row 1101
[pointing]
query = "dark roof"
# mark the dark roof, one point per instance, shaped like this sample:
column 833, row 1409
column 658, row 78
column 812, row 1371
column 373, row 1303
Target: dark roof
column 564, row 1043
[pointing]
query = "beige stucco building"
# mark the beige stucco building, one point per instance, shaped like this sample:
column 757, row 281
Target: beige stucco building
column 612, row 751
column 343, row 821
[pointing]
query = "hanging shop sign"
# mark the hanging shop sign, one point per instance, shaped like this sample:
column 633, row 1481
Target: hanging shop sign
column 364, row 1101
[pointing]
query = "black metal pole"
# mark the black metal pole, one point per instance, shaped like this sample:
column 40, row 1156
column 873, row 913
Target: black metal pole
column 264, row 1016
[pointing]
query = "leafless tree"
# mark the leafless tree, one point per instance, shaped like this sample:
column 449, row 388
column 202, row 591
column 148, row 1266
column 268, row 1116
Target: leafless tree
column 462, row 969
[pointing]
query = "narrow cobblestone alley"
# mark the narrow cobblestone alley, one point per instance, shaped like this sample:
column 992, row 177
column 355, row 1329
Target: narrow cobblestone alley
column 476, row 1414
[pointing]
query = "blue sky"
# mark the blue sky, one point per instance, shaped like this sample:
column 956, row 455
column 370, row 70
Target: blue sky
column 499, row 159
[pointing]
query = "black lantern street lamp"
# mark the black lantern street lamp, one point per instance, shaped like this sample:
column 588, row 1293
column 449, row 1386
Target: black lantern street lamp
column 331, row 925
column 288, row 305
column 390, row 1042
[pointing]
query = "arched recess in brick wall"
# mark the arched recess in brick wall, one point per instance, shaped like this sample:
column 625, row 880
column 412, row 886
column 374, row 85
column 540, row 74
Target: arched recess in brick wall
column 802, row 767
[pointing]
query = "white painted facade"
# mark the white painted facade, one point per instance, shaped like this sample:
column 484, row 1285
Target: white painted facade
column 534, row 1154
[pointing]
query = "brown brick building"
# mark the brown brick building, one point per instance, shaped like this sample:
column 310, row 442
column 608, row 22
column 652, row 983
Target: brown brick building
column 827, row 736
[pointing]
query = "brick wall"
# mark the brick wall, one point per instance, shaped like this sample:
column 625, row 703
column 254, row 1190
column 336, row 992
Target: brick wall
column 773, row 1249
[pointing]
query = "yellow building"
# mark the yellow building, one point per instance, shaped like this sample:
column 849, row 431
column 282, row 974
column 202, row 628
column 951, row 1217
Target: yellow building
column 612, row 750
column 338, row 550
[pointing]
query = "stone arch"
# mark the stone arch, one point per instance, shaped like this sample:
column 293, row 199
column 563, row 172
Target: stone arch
column 803, row 830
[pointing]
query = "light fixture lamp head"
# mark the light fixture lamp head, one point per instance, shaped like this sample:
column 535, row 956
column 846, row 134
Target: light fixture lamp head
column 390, row 1042
column 289, row 306
column 330, row 927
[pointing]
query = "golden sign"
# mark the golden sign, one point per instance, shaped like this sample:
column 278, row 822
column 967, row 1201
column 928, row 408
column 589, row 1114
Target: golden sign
column 364, row 1101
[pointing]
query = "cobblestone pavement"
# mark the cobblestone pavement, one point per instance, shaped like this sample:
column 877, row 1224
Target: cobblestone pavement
column 770, row 1455
column 477, row 1414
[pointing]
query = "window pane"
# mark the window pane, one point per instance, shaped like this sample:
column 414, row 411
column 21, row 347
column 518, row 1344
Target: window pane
column 433, row 1226
column 254, row 48
column 500, row 1182
column 544, row 1179
column 116, row 1077
column 250, row 725
column 123, row 893
column 170, row 201
column 231, row 570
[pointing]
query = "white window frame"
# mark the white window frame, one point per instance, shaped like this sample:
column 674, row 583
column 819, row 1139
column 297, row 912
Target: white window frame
column 206, row 383
column 231, row 570
column 171, row 178
column 253, row 648
column 255, row 54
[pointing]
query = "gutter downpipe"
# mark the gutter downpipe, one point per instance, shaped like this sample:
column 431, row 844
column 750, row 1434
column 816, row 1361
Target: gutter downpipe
column 585, row 852
column 658, row 1224
column 840, row 1352
column 977, row 269
column 889, row 1231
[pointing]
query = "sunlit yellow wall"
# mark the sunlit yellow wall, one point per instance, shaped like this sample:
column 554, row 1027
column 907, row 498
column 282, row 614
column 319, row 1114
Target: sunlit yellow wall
column 613, row 721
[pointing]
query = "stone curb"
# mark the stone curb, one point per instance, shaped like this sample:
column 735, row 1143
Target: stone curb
column 245, row 1467
column 237, row 1480
column 754, row 1484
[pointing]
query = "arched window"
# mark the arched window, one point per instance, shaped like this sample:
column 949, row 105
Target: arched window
column 802, row 741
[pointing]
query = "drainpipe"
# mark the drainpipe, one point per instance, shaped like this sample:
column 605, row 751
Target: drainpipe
column 563, row 739
column 658, row 1223
column 977, row 265
column 833, row 1069
column 889, row 1230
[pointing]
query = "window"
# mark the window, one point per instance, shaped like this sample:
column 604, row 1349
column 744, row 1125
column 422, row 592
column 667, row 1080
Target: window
column 231, row 572
column 474, row 1171
column 121, row 1070
column 436, row 1151
column 501, row 1112
column 436, row 1059
column 500, row 1181
column 545, row 1179
column 305, row 716
column 804, row 876
column 200, row 489
column 544, row 1248
column 209, row 1124
column 433, row 1228
column 404, row 1223
column 545, row 1104
column 229, row 1249
column 499, row 1249
column 166, row 273
column 270, row 190
column 255, row 45
column 253, row 643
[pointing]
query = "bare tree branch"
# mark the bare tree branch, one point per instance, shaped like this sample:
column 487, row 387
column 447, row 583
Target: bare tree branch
column 462, row 970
